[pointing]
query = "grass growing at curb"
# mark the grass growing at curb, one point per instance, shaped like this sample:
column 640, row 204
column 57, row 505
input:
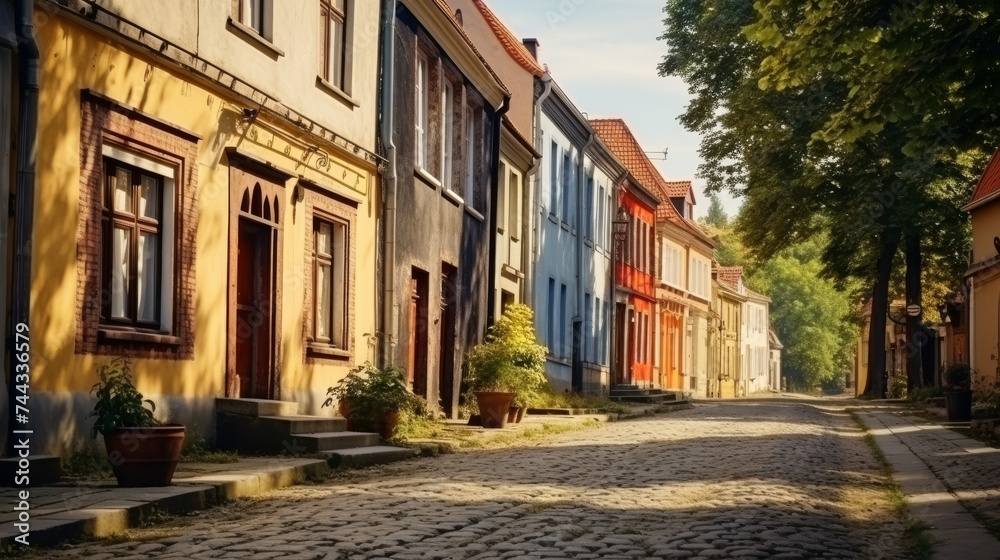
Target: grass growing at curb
column 197, row 450
column 914, row 532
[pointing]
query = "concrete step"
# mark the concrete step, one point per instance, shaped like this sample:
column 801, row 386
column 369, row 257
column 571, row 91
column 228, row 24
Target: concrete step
column 332, row 441
column 256, row 407
column 42, row 470
column 368, row 456
column 294, row 425
column 645, row 398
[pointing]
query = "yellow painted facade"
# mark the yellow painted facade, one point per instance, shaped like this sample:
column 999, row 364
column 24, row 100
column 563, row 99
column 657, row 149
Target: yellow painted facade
column 77, row 56
column 984, row 301
column 724, row 341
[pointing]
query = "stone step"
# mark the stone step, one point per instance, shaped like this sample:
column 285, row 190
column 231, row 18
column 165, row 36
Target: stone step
column 294, row 425
column 332, row 441
column 368, row 456
column 256, row 407
column 42, row 470
column 645, row 398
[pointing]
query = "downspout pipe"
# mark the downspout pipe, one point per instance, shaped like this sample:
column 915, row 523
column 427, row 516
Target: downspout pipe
column 613, row 327
column 536, row 200
column 28, row 63
column 386, row 128
column 581, row 282
column 491, row 298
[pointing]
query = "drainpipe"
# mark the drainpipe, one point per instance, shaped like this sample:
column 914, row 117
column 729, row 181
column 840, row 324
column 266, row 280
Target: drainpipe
column 386, row 127
column 491, row 298
column 536, row 194
column 613, row 327
column 24, row 195
column 581, row 228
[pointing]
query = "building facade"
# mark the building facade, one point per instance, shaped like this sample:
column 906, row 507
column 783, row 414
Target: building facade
column 756, row 351
column 774, row 363
column 983, row 278
column 725, row 341
column 446, row 131
column 206, row 204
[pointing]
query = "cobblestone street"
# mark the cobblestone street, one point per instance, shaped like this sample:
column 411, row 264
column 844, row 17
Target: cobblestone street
column 721, row 480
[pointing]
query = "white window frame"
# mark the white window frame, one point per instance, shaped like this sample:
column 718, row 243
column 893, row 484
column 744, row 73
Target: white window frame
column 447, row 134
column 258, row 16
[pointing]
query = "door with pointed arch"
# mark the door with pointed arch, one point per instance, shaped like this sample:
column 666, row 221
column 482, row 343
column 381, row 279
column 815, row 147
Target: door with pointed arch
column 254, row 285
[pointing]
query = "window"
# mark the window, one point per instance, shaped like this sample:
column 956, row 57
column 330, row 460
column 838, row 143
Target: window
column 601, row 225
column 605, row 337
column 567, row 188
column 587, row 334
column 133, row 237
column 554, row 179
column 420, row 143
column 563, row 320
column 333, row 21
column 470, row 151
column 596, row 334
column 588, row 209
column 329, row 281
column 670, row 265
column 502, row 200
column 514, row 204
column 551, row 327
column 447, row 133
column 256, row 14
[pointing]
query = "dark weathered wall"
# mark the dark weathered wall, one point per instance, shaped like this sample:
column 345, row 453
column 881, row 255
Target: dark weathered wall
column 435, row 228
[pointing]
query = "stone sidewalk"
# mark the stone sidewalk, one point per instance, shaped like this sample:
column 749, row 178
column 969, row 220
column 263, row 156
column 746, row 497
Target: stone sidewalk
column 101, row 509
column 946, row 477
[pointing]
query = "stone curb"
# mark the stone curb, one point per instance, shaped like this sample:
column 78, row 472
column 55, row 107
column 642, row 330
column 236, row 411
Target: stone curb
column 126, row 508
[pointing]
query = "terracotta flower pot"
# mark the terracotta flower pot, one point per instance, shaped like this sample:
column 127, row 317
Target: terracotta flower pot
column 494, row 408
column 388, row 423
column 959, row 405
column 144, row 456
column 344, row 408
column 512, row 415
column 520, row 414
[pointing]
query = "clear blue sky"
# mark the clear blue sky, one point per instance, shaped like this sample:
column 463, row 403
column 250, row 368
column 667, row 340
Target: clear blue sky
column 604, row 54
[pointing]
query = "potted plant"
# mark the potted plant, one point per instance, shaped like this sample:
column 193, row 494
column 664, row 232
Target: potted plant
column 372, row 399
column 958, row 394
column 142, row 451
column 508, row 368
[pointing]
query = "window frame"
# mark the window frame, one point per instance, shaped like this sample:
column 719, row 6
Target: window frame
column 447, row 150
column 421, row 106
column 330, row 16
column 265, row 9
column 319, row 219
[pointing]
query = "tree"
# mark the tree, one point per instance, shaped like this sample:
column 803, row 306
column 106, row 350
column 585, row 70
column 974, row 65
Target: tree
column 716, row 213
column 762, row 138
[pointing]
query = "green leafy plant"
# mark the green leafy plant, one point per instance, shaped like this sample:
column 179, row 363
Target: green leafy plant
column 958, row 376
column 119, row 403
column 371, row 393
column 510, row 359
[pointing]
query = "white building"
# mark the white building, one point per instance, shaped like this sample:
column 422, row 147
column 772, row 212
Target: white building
column 755, row 365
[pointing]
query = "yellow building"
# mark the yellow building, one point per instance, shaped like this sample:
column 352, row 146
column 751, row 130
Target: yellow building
column 725, row 334
column 984, row 278
column 206, row 204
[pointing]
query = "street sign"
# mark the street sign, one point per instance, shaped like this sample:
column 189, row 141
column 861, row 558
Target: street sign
column 913, row 310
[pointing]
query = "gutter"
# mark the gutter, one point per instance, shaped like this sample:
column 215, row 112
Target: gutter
column 578, row 320
column 536, row 203
column 389, row 325
column 24, row 202
column 491, row 298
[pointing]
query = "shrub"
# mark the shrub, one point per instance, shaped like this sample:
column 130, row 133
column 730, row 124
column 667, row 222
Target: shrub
column 510, row 359
column 958, row 376
column 119, row 403
column 371, row 393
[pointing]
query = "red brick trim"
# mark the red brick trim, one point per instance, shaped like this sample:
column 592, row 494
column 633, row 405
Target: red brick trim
column 106, row 122
column 319, row 203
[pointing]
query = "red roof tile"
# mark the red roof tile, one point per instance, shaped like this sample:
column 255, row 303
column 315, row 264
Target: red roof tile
column 731, row 275
column 678, row 188
column 989, row 183
column 513, row 45
column 623, row 144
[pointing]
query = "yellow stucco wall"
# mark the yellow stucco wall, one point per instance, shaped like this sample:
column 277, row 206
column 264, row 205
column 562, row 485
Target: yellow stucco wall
column 985, row 298
column 76, row 58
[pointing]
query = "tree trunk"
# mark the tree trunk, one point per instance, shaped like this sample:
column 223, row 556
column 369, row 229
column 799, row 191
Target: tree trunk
column 880, row 306
column 914, row 336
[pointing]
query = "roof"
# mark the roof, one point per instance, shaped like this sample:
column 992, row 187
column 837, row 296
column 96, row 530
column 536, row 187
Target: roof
column 513, row 45
column 772, row 339
column 731, row 275
column 623, row 144
column 757, row 295
column 678, row 188
column 988, row 187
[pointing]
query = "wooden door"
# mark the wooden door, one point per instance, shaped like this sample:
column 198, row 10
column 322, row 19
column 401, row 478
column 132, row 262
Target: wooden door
column 417, row 336
column 620, row 350
column 446, row 366
column 254, row 311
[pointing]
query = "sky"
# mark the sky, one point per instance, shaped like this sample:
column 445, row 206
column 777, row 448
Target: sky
column 603, row 53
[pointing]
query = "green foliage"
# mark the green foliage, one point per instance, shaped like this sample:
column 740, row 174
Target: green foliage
column 548, row 398
column 119, row 403
column 372, row 392
column 921, row 394
column 510, row 359
column 197, row 450
column 958, row 376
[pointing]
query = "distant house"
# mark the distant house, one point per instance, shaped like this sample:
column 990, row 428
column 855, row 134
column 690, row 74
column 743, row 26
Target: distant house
column 774, row 377
column 755, row 327
column 726, row 340
column 682, row 257
column 984, row 276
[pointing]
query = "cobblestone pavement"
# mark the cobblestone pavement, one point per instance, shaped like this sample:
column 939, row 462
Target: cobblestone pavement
column 721, row 480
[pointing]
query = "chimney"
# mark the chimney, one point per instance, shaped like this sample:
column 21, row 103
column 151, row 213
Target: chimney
column 532, row 46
